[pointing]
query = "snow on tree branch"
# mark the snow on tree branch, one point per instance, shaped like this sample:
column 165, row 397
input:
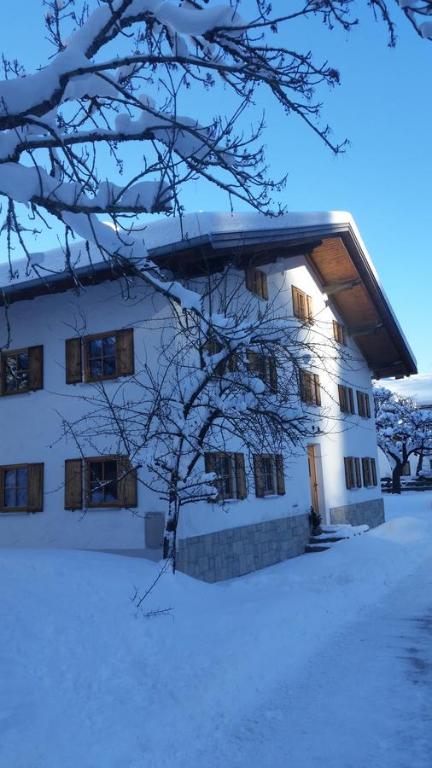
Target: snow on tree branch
column 118, row 77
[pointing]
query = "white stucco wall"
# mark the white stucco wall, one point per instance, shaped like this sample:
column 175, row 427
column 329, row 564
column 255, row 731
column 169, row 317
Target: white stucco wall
column 31, row 422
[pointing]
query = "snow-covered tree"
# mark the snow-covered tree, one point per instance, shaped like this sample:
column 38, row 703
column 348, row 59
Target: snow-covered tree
column 403, row 430
column 118, row 76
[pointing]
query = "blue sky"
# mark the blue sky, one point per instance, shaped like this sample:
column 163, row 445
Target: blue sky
column 384, row 179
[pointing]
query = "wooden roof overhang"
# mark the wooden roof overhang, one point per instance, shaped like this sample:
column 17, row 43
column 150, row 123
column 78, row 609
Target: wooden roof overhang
column 336, row 256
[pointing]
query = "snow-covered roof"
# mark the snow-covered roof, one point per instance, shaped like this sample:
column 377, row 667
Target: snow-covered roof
column 162, row 232
column 222, row 232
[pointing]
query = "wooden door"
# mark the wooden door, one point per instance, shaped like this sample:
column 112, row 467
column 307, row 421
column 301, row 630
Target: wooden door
column 313, row 478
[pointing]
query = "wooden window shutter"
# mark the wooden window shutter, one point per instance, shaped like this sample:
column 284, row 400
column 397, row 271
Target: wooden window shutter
column 295, row 300
column 35, row 355
column 368, row 409
column 317, row 389
column 73, row 351
column 240, row 471
column 302, row 385
column 125, row 352
column 210, row 465
column 358, row 476
column 342, row 397
column 127, row 483
column 210, row 461
column 280, row 474
column 252, row 361
column 258, row 473
column 35, row 487
column 264, row 286
column 359, row 404
column 2, row 374
column 250, row 279
column 351, row 400
column 309, row 308
column 273, row 375
column 73, row 484
column 365, row 467
column 347, row 464
column 374, row 472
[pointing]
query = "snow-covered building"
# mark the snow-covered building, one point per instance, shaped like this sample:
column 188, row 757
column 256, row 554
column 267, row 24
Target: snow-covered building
column 57, row 342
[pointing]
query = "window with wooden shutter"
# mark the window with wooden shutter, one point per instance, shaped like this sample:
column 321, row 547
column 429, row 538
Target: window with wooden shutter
column 310, row 389
column 269, row 474
column 213, row 347
column 100, row 356
column 256, row 282
column 352, row 472
column 302, row 305
column 339, row 332
column 346, row 399
column 21, row 370
column 363, row 404
column 230, row 472
column 21, row 488
column 369, row 472
column 264, row 367
column 100, row 482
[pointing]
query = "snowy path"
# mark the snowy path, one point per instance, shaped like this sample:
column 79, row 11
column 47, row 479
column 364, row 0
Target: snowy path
column 366, row 701
column 322, row 661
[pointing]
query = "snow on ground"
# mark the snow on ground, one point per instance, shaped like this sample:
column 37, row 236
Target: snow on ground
column 321, row 660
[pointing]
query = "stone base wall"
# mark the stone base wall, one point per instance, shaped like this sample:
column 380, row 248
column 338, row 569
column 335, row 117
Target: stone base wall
column 235, row 551
column 363, row 513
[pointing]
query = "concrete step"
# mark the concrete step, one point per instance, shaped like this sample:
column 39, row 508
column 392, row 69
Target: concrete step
column 326, row 539
column 315, row 548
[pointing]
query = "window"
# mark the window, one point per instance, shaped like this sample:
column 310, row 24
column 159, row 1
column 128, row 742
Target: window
column 302, row 305
column 256, row 282
column 352, row 472
column 229, row 364
column 369, row 472
column 310, row 390
column 102, row 481
column 346, row 399
column 100, row 356
column 269, row 474
column 231, row 474
column 339, row 332
column 363, row 405
column 406, row 469
column 21, row 488
column 21, row 370
column 264, row 367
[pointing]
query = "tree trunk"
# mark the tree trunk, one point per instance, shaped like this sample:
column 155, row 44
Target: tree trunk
column 170, row 536
column 420, row 462
column 396, row 479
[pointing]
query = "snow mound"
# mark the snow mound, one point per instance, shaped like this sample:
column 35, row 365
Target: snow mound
column 90, row 680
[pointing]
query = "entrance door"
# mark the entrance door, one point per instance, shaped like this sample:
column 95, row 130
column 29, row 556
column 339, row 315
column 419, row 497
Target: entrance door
column 313, row 478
